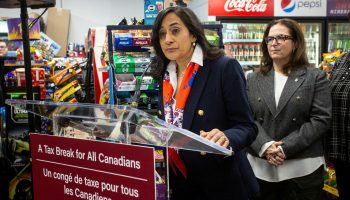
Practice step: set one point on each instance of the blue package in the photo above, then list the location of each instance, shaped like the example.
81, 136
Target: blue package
122, 39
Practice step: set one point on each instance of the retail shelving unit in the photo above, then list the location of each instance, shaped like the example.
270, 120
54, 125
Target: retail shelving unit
129, 78
5, 189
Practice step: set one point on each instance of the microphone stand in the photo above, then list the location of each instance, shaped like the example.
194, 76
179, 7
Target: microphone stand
130, 128
136, 97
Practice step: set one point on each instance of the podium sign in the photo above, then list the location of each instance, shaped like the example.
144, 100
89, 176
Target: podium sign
69, 168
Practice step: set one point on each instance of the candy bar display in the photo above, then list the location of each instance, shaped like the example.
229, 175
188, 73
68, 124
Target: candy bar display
129, 55
134, 37
130, 63
65, 75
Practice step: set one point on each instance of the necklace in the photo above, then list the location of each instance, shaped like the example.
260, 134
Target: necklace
180, 73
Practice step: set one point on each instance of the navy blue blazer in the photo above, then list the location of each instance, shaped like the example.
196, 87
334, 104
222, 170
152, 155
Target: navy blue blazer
218, 99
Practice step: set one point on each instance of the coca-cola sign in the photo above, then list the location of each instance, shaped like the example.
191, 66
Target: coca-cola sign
240, 8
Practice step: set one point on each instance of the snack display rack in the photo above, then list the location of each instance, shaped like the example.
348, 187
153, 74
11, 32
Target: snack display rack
129, 55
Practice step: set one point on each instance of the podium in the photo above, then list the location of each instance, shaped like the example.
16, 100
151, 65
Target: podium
108, 127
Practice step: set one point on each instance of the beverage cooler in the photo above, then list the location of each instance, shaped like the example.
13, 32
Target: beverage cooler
242, 39
338, 25
338, 35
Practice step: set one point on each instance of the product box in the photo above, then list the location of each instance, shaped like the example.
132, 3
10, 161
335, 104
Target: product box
15, 32
151, 10
66, 93
141, 37
13, 63
38, 79
57, 29
18, 164
2, 123
46, 46
141, 41
129, 38
65, 74
125, 82
16, 118
147, 82
130, 64
123, 39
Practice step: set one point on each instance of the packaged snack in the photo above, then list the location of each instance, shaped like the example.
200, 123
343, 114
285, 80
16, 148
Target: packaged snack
66, 74
65, 92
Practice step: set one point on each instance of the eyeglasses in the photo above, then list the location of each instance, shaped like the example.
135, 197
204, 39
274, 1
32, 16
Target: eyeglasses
279, 39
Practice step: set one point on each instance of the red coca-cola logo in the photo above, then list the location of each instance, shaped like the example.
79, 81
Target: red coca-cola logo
240, 8
245, 6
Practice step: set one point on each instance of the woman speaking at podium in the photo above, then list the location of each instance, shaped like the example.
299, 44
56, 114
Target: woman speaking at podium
203, 91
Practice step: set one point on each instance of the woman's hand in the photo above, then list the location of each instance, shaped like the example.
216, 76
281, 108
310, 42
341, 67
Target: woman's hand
216, 136
274, 155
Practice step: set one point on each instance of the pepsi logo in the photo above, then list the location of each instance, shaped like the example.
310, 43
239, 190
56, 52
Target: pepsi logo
288, 5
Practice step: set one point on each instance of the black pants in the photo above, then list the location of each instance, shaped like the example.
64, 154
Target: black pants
342, 172
307, 187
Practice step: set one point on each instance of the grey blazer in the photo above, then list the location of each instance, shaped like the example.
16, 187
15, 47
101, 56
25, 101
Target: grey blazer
302, 116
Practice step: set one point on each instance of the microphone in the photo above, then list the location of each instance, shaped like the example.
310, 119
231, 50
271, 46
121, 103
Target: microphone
136, 97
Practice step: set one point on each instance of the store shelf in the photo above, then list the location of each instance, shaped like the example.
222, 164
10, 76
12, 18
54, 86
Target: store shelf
21, 63
245, 63
143, 88
312, 61
310, 40
132, 48
35, 4
242, 40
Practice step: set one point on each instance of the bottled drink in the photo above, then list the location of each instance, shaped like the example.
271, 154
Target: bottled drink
245, 52
330, 45
348, 45
240, 52
234, 31
251, 52
257, 52
240, 32
339, 44
234, 50
311, 52
245, 32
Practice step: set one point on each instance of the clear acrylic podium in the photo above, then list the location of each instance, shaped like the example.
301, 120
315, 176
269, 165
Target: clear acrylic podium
119, 124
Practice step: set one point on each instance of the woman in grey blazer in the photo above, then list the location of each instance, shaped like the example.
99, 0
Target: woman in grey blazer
292, 108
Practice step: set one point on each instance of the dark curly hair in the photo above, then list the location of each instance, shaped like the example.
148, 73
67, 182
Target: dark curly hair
194, 26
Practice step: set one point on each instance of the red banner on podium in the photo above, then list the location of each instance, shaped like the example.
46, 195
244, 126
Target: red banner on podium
68, 168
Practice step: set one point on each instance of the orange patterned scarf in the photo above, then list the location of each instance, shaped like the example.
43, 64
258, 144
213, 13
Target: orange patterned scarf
175, 117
